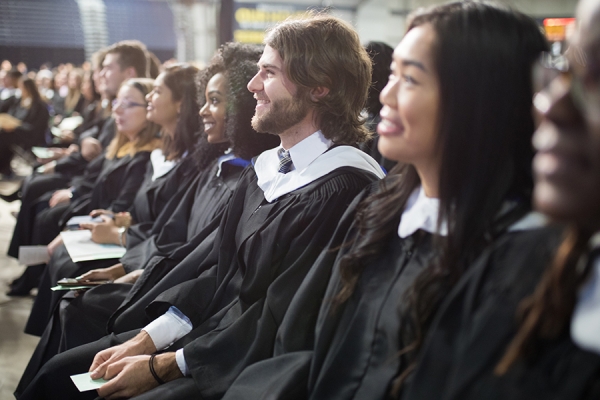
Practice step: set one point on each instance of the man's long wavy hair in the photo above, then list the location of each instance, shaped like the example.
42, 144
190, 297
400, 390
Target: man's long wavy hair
483, 56
323, 51
238, 63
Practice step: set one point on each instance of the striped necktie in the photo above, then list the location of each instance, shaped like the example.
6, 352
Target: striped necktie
285, 161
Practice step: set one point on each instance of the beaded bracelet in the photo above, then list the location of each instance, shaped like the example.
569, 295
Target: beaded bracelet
152, 371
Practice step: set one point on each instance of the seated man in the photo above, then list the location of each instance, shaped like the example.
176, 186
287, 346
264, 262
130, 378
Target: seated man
310, 89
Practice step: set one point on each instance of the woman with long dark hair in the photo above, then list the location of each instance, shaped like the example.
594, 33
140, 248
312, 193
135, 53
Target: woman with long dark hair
457, 117
525, 323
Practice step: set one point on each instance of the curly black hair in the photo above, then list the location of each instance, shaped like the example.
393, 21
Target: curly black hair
238, 64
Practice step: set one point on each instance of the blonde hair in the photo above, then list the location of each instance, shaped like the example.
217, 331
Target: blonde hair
147, 139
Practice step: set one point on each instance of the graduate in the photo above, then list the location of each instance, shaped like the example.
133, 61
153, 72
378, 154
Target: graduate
310, 93
180, 226
165, 181
525, 324
463, 180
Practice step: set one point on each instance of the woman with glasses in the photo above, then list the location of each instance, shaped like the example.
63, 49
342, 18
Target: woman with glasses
525, 324
120, 173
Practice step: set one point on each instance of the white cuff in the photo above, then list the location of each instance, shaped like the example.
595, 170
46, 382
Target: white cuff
169, 327
181, 362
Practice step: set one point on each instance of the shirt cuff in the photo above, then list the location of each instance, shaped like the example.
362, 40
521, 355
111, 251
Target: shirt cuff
181, 362
169, 327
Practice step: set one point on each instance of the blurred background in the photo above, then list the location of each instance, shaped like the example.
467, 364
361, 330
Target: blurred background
51, 32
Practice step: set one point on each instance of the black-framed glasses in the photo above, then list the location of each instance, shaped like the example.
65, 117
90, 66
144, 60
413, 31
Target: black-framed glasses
126, 104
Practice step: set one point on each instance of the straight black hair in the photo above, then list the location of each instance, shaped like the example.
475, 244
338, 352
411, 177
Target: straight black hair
483, 56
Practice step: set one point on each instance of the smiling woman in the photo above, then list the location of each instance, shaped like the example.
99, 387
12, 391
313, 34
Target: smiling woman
213, 111
411, 99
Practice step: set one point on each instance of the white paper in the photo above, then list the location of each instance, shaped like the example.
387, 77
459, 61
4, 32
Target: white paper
70, 123
80, 247
85, 383
33, 255
82, 219
42, 152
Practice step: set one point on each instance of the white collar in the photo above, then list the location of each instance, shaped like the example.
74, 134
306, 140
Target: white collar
312, 161
160, 166
421, 212
305, 152
585, 322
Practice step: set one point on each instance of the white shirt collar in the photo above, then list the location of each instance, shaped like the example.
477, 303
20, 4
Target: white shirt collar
305, 152
311, 161
160, 166
585, 322
421, 212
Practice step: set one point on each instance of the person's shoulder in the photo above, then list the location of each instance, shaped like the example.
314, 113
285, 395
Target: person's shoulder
519, 258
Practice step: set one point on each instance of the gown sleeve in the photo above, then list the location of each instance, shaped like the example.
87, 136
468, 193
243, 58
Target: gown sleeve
241, 332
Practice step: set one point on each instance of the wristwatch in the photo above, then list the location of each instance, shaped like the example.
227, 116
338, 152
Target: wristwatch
122, 231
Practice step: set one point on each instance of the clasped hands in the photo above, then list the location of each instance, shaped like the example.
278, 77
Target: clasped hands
127, 369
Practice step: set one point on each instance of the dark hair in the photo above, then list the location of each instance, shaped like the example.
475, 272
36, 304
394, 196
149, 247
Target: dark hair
319, 50
14, 74
181, 81
31, 87
482, 56
132, 53
381, 57
238, 63
90, 76
153, 64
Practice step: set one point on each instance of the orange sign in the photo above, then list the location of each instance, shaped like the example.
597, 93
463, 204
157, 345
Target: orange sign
556, 28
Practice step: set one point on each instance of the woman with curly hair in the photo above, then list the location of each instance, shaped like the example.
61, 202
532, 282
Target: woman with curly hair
525, 324
457, 118
226, 109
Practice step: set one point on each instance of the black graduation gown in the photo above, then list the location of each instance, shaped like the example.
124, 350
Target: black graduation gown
74, 164
264, 251
114, 189
201, 209
32, 132
84, 319
477, 322
152, 198
155, 197
38, 188
171, 257
351, 350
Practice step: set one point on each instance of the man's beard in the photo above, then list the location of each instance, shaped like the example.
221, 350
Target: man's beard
282, 115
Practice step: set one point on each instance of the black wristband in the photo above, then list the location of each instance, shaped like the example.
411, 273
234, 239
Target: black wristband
152, 371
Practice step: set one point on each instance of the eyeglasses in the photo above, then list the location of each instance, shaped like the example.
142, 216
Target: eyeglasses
126, 104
